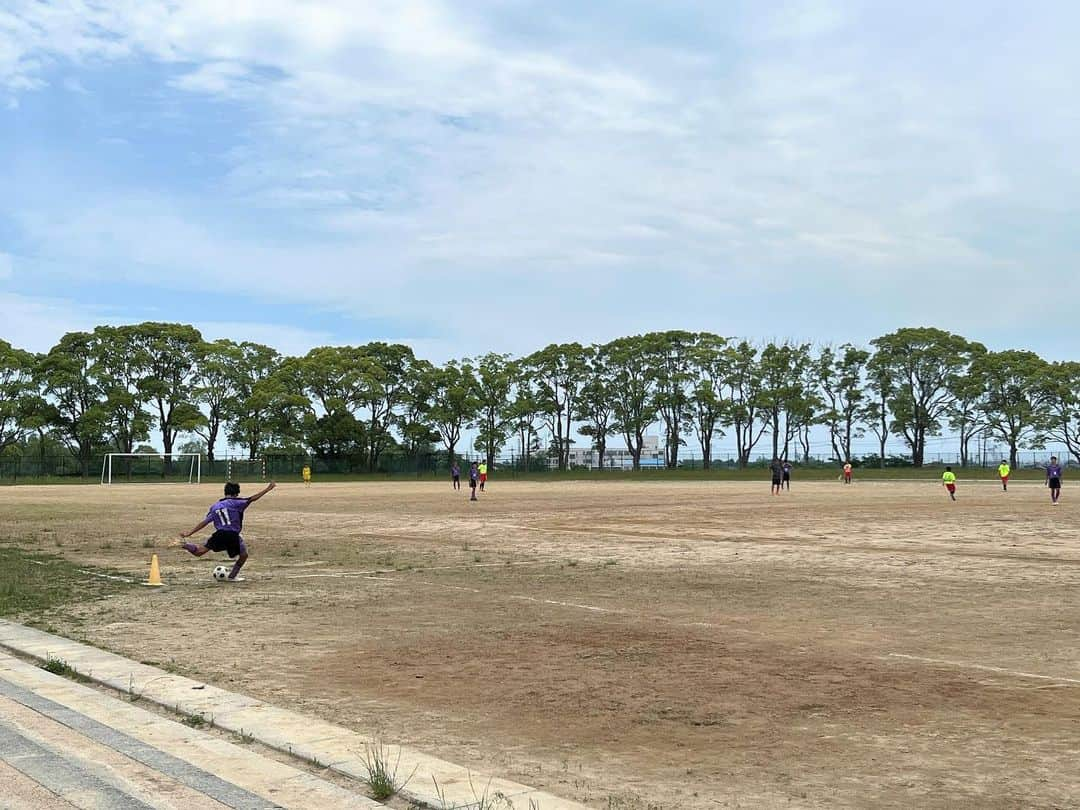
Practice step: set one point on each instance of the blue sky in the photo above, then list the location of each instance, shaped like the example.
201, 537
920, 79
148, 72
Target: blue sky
500, 174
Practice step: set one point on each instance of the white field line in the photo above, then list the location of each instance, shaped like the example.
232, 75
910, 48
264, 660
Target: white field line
379, 571
982, 668
95, 574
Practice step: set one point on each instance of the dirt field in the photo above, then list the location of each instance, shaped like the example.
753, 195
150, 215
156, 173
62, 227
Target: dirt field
631, 645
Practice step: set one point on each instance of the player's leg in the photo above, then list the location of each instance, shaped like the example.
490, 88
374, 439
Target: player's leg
241, 558
198, 551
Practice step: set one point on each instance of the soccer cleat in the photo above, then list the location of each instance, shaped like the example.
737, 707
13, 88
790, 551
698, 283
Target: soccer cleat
235, 579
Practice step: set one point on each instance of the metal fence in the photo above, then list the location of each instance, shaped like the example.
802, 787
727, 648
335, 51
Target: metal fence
427, 465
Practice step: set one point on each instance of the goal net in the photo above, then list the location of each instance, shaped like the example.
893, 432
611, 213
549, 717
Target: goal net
245, 469
151, 467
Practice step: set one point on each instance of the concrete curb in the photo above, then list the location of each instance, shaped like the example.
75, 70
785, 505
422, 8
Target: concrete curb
327, 745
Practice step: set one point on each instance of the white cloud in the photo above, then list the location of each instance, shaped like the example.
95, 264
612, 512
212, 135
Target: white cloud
35, 323
406, 152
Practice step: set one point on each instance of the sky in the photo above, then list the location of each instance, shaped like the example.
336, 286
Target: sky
497, 175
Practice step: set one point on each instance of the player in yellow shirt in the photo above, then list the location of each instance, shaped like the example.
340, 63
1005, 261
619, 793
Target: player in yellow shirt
1003, 472
483, 474
948, 480
306, 472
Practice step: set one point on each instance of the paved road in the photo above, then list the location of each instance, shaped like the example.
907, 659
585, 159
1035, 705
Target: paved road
53, 754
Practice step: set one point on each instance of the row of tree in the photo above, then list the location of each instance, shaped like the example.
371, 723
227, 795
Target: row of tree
107, 389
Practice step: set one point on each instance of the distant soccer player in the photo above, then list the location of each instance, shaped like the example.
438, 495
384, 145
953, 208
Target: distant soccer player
455, 475
306, 473
1053, 479
787, 475
847, 472
474, 474
483, 474
948, 480
777, 471
1003, 473
227, 515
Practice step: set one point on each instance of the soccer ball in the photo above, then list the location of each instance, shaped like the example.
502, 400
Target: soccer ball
221, 572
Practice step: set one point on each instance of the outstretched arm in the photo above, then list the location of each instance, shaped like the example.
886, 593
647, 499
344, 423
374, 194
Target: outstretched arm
206, 522
261, 492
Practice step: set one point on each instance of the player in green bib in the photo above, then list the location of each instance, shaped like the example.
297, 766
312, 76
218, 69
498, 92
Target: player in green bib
1003, 472
948, 480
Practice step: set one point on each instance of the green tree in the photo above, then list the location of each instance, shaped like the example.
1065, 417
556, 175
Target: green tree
709, 409
1058, 397
215, 385
920, 364
523, 413
559, 371
79, 414
669, 355
495, 375
16, 383
840, 375
250, 414
782, 397
121, 368
384, 371
633, 389
967, 412
454, 402
170, 351
594, 403
875, 412
416, 430
1013, 382
743, 390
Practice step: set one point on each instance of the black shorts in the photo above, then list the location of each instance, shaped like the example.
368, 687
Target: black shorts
1055, 483
776, 482
787, 476
457, 478
472, 483
229, 542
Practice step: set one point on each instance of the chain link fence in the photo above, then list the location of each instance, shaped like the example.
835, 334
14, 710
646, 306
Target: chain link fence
283, 467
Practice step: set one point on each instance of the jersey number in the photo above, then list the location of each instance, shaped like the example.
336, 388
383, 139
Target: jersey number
223, 516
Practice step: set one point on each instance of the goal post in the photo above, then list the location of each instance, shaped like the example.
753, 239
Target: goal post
174, 467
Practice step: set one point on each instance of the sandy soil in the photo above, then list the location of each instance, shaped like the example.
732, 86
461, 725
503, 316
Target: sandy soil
631, 645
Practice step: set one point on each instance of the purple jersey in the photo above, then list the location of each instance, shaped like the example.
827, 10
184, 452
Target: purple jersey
228, 514
1053, 471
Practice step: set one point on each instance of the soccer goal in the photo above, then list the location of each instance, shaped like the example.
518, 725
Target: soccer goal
246, 469
131, 467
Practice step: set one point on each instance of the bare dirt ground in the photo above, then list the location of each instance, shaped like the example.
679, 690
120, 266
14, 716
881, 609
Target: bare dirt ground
630, 645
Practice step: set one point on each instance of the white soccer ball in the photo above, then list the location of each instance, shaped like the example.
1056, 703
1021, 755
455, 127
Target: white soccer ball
221, 572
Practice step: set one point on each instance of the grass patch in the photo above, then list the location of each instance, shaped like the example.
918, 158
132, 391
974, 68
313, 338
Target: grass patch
381, 773
58, 666
193, 720
34, 583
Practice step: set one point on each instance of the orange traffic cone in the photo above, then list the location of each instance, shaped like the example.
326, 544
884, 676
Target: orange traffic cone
155, 573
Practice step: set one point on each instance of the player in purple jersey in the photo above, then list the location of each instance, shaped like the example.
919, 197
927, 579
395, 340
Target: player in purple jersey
1053, 479
227, 515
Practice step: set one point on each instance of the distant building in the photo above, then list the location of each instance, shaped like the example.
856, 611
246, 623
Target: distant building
617, 457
